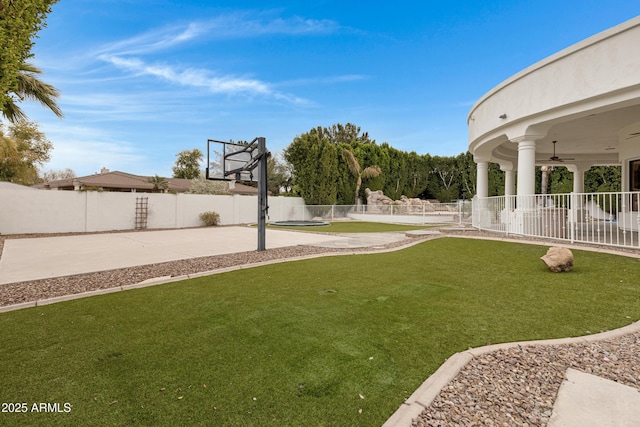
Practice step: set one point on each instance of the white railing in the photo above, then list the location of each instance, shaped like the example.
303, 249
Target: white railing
459, 212
595, 218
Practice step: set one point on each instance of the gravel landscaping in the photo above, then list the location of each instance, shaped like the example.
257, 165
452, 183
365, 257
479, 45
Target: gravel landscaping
514, 387
20, 292
518, 386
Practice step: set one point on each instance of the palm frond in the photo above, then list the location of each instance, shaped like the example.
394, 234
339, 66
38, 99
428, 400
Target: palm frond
32, 88
352, 162
12, 112
371, 172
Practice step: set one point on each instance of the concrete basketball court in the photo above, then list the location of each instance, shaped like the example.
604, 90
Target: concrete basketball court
47, 257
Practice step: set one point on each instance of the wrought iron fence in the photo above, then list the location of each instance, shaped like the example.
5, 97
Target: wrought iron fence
459, 212
596, 218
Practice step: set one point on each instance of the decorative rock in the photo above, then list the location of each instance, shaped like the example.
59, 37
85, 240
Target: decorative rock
377, 198
377, 202
558, 259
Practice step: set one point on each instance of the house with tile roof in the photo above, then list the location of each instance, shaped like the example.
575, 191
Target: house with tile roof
118, 181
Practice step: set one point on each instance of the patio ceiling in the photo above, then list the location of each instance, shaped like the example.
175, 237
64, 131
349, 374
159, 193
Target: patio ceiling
592, 138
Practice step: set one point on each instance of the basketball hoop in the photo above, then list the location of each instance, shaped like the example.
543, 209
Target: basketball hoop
227, 161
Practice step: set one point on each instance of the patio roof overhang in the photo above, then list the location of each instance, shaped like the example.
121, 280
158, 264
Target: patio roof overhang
586, 97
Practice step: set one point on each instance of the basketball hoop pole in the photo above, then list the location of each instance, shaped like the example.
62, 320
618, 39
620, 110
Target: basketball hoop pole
263, 207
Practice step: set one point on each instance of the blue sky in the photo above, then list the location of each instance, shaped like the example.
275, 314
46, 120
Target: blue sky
142, 80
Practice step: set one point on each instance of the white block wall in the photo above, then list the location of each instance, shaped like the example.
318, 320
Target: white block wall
43, 211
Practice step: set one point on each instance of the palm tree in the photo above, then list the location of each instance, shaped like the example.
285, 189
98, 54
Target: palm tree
159, 183
544, 187
31, 88
356, 170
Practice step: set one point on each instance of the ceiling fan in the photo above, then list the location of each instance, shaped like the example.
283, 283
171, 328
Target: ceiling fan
555, 158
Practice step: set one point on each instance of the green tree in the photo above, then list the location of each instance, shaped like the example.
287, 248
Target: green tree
22, 150
58, 174
560, 180
314, 163
187, 165
400, 174
396, 172
160, 184
467, 175
496, 180
358, 172
419, 173
603, 179
342, 134
201, 185
20, 21
446, 170
278, 176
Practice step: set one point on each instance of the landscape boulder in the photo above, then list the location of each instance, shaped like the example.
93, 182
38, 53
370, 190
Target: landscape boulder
558, 259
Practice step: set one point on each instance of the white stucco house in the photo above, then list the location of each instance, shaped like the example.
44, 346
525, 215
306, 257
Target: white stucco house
586, 98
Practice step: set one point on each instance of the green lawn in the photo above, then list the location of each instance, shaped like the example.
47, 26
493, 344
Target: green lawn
335, 341
354, 227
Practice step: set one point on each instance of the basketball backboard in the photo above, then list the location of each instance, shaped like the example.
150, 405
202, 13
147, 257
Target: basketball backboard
228, 161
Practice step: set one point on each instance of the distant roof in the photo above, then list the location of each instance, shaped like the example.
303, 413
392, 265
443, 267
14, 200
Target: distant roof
116, 179
5, 185
122, 180
238, 188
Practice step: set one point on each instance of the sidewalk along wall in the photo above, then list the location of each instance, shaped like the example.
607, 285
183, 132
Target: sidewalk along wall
72, 211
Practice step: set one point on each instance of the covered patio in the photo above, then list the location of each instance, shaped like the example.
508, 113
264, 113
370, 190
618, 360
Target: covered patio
578, 108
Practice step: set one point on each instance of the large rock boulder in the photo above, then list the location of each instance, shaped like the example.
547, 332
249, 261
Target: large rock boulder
558, 259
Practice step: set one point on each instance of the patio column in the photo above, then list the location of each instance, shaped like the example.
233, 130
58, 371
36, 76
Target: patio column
526, 166
509, 181
578, 176
482, 181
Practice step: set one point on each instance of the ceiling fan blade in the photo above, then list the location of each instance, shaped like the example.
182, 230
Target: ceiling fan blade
555, 158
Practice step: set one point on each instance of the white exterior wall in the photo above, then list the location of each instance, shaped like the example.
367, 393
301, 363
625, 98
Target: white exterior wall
42, 211
581, 72
74, 211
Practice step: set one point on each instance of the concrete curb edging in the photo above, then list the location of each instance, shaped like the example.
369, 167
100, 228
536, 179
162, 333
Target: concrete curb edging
429, 390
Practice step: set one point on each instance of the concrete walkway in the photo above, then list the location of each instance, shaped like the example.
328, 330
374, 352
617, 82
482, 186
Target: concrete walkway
47, 257
590, 401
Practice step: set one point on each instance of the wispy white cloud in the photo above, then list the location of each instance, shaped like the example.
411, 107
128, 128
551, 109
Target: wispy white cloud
200, 78
155, 40
101, 107
324, 80
233, 25
128, 55
244, 25
190, 76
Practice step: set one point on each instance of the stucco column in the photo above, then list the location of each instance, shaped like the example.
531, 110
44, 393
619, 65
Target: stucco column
509, 180
482, 181
577, 211
578, 176
526, 167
